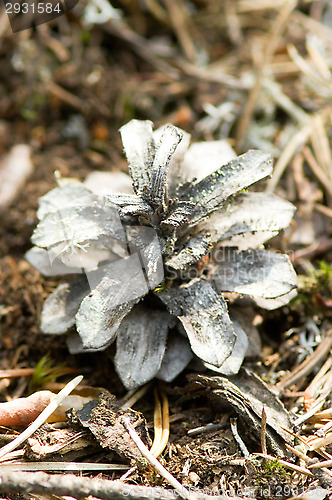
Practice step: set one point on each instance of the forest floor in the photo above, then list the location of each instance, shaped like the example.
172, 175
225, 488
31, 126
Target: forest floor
257, 73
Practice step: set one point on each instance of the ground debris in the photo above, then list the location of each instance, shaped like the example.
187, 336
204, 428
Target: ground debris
49, 441
255, 74
246, 394
103, 418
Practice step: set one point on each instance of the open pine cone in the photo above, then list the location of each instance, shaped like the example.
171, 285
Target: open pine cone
151, 263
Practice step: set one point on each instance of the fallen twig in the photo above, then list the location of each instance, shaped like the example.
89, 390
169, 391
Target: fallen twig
238, 439
288, 465
306, 68
64, 95
132, 398
183, 492
209, 427
320, 465
317, 170
81, 487
310, 413
320, 442
61, 466
323, 210
308, 364
298, 453
316, 248
263, 431
273, 39
42, 417
23, 411
299, 138
179, 19
17, 372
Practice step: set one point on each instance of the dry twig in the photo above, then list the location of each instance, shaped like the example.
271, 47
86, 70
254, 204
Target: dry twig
288, 465
263, 431
183, 492
179, 19
317, 170
238, 438
53, 405
299, 138
82, 487
308, 364
61, 466
273, 40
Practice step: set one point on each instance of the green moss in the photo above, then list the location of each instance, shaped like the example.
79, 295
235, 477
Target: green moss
324, 275
271, 472
319, 281
271, 480
29, 114
273, 468
85, 36
33, 106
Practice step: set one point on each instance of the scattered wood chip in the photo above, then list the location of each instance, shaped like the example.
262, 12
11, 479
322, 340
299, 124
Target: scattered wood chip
103, 418
49, 442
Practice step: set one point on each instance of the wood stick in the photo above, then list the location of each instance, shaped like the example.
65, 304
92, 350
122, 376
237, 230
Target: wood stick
182, 491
